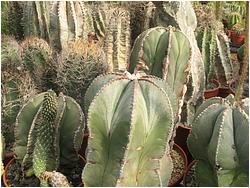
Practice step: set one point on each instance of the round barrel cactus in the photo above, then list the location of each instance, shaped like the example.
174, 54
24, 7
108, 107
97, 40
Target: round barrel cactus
48, 133
38, 61
78, 66
220, 142
130, 122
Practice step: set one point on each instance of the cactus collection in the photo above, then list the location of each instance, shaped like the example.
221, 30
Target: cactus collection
125, 74
221, 129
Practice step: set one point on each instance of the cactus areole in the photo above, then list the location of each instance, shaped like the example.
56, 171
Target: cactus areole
130, 121
220, 142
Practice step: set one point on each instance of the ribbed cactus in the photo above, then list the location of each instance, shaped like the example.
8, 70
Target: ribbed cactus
37, 59
220, 142
215, 50
166, 53
117, 40
130, 121
78, 65
49, 132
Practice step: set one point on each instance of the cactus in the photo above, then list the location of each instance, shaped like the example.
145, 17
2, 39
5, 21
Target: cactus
166, 53
11, 15
181, 15
130, 121
117, 40
215, 51
221, 129
48, 133
16, 86
37, 59
78, 65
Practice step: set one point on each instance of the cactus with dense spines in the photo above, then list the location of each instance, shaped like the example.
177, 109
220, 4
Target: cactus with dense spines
38, 60
117, 40
16, 85
166, 53
78, 65
130, 121
48, 133
221, 129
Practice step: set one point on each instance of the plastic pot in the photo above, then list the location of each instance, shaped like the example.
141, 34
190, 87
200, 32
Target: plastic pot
182, 153
237, 40
209, 93
182, 133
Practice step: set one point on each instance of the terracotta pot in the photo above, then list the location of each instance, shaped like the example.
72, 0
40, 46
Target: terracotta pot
5, 179
237, 40
182, 153
188, 168
212, 92
182, 133
225, 91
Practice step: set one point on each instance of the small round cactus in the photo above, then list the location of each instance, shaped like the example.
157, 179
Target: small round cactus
78, 66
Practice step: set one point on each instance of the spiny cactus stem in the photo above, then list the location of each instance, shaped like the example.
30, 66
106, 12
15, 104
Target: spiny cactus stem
245, 61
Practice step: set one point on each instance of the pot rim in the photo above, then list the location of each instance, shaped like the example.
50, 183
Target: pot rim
187, 170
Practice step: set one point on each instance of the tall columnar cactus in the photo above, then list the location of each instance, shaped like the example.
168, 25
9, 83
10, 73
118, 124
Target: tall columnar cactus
117, 40
78, 65
16, 85
130, 121
48, 133
166, 53
37, 59
220, 142
182, 16
215, 51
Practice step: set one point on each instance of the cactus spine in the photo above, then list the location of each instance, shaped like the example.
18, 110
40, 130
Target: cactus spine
49, 132
117, 41
129, 135
221, 129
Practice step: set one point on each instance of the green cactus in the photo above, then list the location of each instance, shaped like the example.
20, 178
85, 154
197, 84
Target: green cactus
166, 53
215, 51
78, 65
37, 59
221, 129
117, 40
48, 133
11, 15
130, 121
